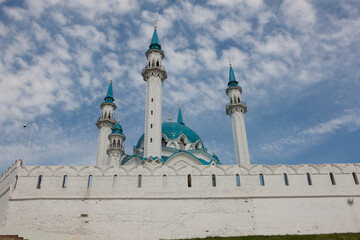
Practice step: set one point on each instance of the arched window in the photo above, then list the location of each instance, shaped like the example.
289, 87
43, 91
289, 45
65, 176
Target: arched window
262, 180
149, 63
157, 63
308, 177
152, 100
234, 99
151, 112
118, 143
16, 180
151, 125
332, 178
109, 115
213, 179
115, 180
189, 180
286, 180
356, 180
114, 143
150, 139
153, 63
90, 181
64, 181
231, 101
105, 115
182, 144
39, 182
139, 181
237, 177
238, 99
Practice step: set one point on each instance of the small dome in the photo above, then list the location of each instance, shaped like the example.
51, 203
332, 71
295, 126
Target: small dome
117, 129
173, 130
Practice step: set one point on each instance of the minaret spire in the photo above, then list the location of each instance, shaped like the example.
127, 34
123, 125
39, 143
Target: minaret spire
180, 118
236, 109
153, 74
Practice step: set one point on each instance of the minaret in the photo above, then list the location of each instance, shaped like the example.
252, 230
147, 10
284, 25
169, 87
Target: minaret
116, 149
236, 109
154, 74
105, 124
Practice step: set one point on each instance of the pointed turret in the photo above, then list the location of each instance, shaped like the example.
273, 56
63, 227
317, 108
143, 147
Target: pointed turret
232, 80
180, 118
109, 95
155, 40
115, 150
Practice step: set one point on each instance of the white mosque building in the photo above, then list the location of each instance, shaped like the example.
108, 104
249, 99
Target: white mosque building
167, 143
170, 187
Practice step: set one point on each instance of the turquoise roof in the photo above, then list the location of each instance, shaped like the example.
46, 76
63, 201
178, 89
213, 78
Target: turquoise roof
117, 129
155, 41
180, 118
173, 130
232, 80
109, 95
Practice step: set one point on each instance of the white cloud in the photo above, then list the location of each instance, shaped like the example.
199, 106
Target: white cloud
299, 14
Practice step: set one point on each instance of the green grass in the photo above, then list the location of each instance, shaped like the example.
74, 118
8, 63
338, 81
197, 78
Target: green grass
340, 236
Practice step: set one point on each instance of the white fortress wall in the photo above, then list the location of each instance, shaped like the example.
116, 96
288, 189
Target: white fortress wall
165, 207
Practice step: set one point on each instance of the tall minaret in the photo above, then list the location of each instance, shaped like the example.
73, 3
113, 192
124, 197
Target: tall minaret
105, 124
236, 109
116, 149
154, 74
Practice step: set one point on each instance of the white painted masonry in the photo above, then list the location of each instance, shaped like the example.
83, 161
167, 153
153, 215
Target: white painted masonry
164, 207
105, 124
236, 109
154, 74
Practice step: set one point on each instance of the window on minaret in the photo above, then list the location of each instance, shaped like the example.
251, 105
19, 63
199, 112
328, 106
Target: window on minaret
157, 63
163, 143
238, 100
237, 176
150, 139
231, 100
309, 179
152, 100
150, 125
118, 143
90, 181
151, 112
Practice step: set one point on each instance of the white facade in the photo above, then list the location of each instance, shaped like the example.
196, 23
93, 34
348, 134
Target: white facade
163, 206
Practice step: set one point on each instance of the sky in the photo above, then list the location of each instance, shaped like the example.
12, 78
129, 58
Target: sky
297, 61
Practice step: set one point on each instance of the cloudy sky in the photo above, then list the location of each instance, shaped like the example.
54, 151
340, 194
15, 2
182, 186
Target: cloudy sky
298, 62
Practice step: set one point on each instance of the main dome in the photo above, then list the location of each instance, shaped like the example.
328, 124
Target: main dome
173, 130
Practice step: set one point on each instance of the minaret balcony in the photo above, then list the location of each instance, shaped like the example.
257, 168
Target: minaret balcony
155, 71
240, 106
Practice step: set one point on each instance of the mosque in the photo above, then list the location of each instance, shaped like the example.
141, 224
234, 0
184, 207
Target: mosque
168, 143
170, 187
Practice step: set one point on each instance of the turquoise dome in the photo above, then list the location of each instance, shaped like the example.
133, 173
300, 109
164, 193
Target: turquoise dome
117, 129
173, 130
